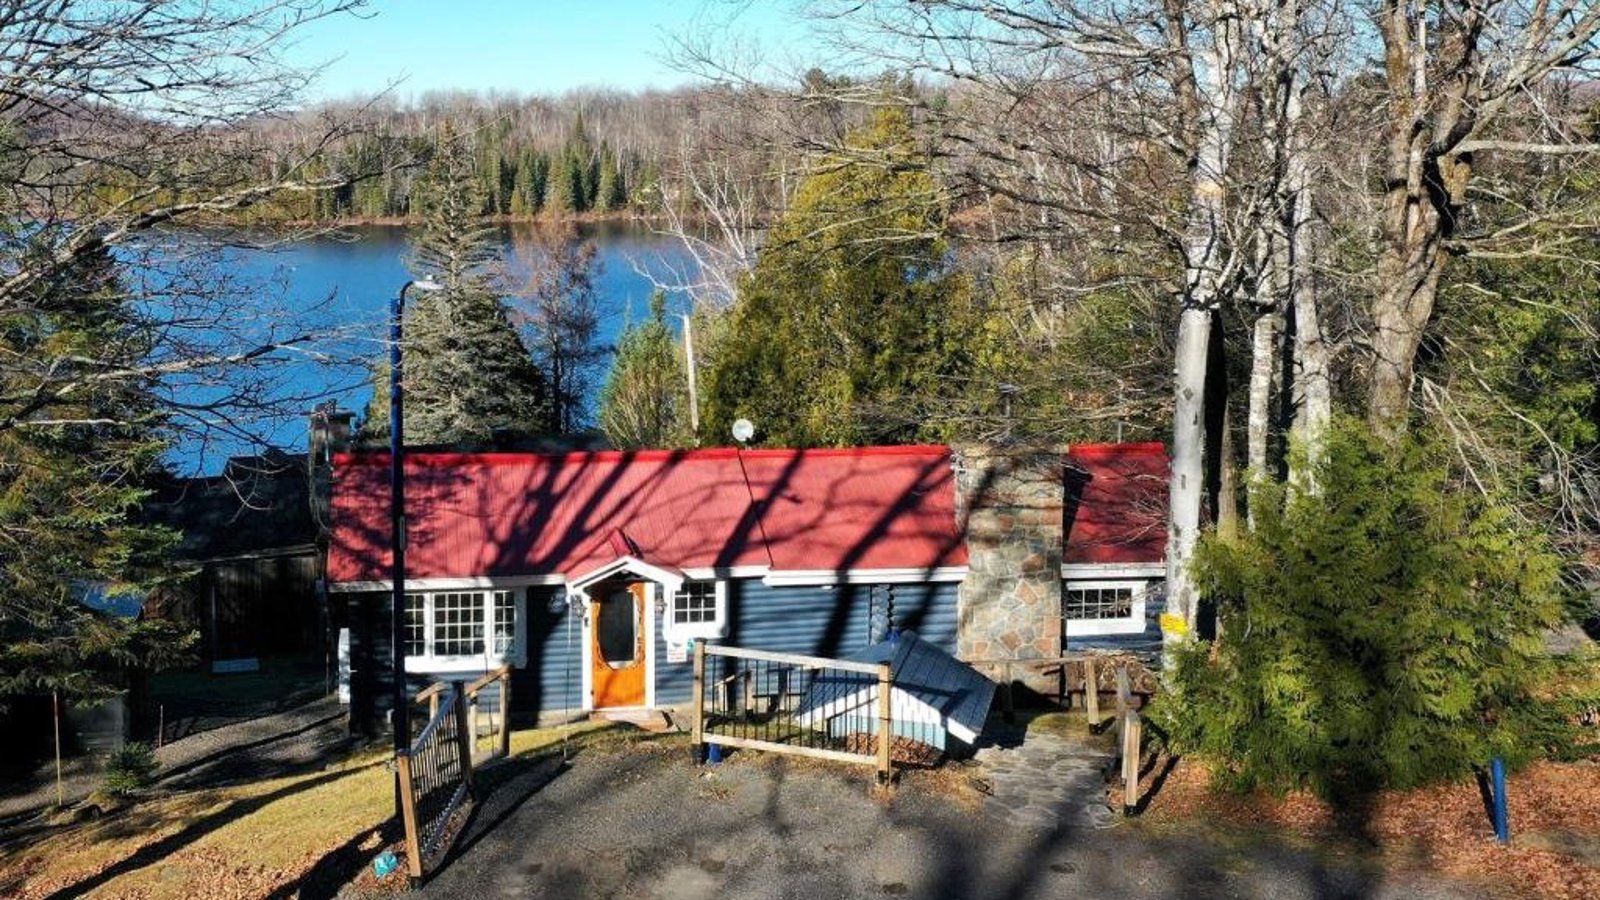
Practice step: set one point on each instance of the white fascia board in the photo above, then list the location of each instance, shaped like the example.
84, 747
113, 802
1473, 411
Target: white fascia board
1114, 570
672, 579
823, 577
707, 573
451, 584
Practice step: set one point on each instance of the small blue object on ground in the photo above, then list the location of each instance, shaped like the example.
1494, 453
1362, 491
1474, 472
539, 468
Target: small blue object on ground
1502, 816
384, 864
713, 753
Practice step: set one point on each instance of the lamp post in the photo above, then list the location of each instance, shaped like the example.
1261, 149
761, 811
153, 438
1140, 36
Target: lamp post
397, 516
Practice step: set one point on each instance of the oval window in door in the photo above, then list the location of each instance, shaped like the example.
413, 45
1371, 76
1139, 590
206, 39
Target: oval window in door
616, 629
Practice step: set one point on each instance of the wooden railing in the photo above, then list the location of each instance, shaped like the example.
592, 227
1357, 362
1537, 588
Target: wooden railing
492, 689
812, 706
435, 774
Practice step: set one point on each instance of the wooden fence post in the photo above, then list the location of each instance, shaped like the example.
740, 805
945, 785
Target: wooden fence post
699, 695
1091, 692
885, 721
1132, 735
1124, 693
463, 736
505, 715
408, 815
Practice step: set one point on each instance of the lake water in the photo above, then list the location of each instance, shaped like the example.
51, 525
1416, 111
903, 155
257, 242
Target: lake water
346, 281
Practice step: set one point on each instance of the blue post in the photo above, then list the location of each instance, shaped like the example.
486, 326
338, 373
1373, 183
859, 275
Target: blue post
1502, 817
713, 753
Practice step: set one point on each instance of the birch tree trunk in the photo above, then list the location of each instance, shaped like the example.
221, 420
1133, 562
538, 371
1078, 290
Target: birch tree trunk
1215, 106
1313, 392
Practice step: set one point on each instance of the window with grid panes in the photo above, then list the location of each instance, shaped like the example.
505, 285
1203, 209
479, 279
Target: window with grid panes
1091, 603
416, 624
695, 603
505, 621
458, 624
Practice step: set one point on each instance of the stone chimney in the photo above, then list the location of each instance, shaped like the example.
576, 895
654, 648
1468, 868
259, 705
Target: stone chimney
330, 433
1010, 500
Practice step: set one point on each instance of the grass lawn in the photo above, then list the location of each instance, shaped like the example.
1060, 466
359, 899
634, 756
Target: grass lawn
245, 841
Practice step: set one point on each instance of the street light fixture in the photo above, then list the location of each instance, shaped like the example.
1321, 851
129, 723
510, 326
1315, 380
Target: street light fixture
400, 716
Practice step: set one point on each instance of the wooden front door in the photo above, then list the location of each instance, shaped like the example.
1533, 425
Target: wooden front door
617, 645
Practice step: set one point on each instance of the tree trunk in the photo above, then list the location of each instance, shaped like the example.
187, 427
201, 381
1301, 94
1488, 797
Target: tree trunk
1426, 186
1313, 392
1258, 420
1203, 264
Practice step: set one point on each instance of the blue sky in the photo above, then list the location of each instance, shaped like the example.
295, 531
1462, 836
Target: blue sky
533, 46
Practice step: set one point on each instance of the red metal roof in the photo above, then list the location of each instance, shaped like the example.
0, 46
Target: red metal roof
476, 514
1116, 508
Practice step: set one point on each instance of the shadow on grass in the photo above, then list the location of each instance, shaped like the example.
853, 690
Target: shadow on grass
171, 844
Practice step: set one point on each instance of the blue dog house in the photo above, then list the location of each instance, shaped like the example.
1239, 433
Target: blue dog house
937, 699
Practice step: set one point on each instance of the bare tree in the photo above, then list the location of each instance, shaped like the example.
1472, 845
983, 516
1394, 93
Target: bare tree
1454, 74
134, 128
551, 283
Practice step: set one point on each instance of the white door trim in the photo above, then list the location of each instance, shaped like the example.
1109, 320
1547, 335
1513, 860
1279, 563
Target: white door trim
652, 595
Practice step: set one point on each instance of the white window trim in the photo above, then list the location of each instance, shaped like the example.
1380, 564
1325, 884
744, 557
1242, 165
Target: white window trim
676, 633
429, 663
1133, 623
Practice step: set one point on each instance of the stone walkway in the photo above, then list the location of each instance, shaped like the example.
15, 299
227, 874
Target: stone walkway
1046, 772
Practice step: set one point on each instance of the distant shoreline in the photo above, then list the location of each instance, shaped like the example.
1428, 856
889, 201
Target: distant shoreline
583, 218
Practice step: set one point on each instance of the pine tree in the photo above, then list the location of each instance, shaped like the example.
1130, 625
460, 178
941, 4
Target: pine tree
851, 324
645, 400
467, 374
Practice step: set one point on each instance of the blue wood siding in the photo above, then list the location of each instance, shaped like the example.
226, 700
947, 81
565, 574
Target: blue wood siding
552, 677
818, 621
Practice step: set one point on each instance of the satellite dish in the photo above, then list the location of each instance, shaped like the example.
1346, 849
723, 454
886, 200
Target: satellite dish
743, 430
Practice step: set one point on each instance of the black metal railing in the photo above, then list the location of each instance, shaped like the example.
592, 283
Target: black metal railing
436, 780
786, 703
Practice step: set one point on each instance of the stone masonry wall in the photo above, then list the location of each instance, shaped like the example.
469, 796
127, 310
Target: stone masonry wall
1010, 500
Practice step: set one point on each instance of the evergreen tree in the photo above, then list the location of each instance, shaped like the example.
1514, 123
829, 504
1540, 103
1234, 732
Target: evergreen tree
69, 492
1386, 631
645, 400
568, 193
610, 193
467, 375
851, 323
559, 309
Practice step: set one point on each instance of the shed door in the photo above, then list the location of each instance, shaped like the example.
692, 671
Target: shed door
617, 639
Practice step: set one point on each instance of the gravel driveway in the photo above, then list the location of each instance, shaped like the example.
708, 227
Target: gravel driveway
640, 820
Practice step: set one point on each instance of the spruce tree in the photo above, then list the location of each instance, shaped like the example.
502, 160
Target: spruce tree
70, 491
467, 374
610, 193
645, 400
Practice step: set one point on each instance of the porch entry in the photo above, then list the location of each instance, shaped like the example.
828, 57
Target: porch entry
619, 645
